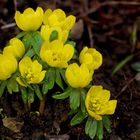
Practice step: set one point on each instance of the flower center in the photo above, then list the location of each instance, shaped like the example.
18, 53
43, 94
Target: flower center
95, 104
29, 74
56, 57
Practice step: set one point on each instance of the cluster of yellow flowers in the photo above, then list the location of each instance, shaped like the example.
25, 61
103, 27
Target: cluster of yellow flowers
54, 27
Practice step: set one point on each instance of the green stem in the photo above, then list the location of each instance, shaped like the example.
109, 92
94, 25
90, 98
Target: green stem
42, 105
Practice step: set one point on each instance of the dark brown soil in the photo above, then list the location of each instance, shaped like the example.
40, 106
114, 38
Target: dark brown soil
107, 26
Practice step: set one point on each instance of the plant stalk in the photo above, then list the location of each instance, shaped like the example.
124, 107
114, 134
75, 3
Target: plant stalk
42, 105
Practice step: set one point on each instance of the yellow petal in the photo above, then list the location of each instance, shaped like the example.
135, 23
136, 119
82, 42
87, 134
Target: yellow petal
24, 64
60, 14
68, 23
94, 115
47, 13
68, 52
37, 78
71, 75
110, 108
30, 20
8, 66
36, 67
18, 79
16, 48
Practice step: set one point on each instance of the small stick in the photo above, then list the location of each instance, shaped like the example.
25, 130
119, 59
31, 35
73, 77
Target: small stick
10, 25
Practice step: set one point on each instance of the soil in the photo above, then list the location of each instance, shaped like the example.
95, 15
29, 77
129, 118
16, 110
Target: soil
103, 24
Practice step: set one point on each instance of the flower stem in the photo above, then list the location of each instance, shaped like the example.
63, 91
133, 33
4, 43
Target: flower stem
42, 105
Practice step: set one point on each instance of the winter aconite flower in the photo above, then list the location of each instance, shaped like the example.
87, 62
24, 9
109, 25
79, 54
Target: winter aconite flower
58, 18
98, 104
91, 57
15, 48
78, 76
56, 54
48, 32
31, 72
30, 20
8, 65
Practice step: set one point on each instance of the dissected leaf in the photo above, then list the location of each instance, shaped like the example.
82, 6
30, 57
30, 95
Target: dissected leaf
38, 92
58, 79
30, 96
91, 127
53, 36
21, 34
2, 87
24, 95
36, 42
62, 73
78, 118
71, 43
12, 85
100, 130
50, 78
30, 53
74, 99
107, 123
82, 101
63, 95
45, 88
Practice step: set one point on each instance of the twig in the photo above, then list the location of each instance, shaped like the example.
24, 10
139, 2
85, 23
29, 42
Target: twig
125, 87
15, 5
10, 25
94, 9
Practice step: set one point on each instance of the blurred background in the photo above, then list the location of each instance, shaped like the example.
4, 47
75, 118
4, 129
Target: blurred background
112, 27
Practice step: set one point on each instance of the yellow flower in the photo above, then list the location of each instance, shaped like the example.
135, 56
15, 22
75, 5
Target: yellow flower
46, 31
97, 102
8, 66
56, 54
15, 48
91, 57
30, 20
78, 76
31, 72
58, 18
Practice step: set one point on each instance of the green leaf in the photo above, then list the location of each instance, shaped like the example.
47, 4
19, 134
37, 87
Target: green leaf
136, 66
71, 43
2, 87
107, 123
122, 63
62, 73
24, 95
133, 37
12, 85
50, 78
83, 97
58, 79
100, 130
27, 40
45, 88
91, 127
78, 118
75, 99
30, 53
36, 41
38, 92
63, 95
21, 34
30, 96
53, 36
